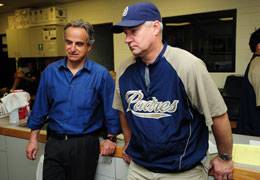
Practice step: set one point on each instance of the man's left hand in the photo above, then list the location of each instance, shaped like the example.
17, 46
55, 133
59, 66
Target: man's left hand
108, 148
221, 169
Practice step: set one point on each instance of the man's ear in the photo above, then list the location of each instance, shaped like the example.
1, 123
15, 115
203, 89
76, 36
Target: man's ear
157, 27
89, 48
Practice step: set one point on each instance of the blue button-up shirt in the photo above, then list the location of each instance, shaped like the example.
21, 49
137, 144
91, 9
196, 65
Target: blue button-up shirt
75, 104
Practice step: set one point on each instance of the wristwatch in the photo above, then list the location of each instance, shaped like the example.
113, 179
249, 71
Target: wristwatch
111, 138
225, 156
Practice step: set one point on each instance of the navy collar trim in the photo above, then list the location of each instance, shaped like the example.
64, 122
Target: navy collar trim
158, 59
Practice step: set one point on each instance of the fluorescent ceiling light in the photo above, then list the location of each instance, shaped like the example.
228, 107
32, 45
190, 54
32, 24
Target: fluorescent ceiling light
226, 19
178, 24
1, 4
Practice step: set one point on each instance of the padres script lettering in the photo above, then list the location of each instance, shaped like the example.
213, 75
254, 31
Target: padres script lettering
151, 108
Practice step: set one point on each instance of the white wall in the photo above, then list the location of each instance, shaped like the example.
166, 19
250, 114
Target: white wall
101, 11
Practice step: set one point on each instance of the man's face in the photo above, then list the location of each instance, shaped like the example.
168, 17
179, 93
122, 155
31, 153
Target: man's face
76, 45
139, 39
257, 48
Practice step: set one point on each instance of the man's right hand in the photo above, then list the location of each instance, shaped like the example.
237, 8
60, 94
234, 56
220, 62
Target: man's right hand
125, 156
32, 149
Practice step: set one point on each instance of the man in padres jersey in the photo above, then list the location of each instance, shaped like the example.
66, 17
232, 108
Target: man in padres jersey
168, 103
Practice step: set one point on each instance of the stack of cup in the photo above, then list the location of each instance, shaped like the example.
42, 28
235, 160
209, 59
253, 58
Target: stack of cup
14, 117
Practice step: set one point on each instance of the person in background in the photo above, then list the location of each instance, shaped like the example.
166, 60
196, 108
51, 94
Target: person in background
70, 95
168, 103
26, 78
113, 74
249, 121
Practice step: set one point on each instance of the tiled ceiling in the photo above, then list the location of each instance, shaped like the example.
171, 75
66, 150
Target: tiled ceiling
11, 5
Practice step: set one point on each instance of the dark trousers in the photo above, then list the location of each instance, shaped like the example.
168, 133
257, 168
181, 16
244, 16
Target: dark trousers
72, 159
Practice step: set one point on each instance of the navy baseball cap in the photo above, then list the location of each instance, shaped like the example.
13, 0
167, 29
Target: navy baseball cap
136, 15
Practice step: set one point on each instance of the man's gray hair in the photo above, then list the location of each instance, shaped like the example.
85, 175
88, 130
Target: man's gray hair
150, 23
85, 25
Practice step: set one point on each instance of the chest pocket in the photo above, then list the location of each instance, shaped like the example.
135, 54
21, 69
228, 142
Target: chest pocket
87, 98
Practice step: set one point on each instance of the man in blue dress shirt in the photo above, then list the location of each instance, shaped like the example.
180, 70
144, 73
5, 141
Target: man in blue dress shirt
71, 94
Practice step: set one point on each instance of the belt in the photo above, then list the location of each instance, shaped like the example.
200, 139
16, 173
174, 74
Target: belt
68, 136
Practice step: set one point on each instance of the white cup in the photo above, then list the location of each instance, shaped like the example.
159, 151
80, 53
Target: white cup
14, 117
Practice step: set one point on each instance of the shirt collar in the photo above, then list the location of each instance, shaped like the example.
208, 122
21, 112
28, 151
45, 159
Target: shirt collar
159, 57
87, 65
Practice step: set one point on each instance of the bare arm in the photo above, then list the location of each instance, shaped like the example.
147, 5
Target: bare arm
127, 134
222, 169
32, 146
222, 132
20, 76
125, 128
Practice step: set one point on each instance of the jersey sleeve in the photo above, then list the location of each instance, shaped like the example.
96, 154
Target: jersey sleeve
253, 76
117, 102
203, 92
199, 86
